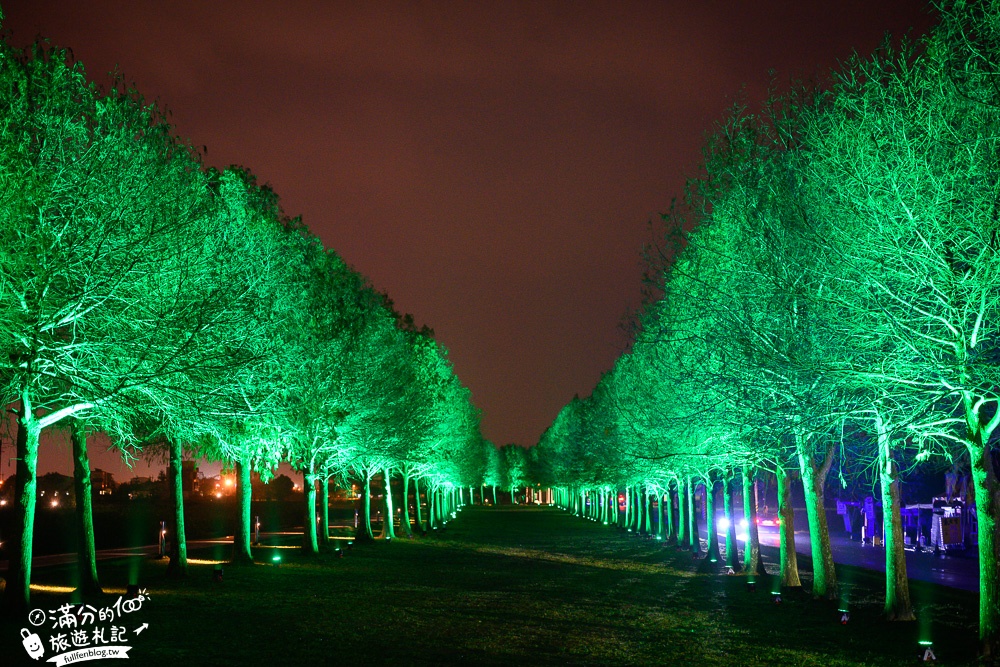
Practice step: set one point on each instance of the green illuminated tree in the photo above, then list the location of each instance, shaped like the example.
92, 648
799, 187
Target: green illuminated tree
909, 160
103, 224
516, 469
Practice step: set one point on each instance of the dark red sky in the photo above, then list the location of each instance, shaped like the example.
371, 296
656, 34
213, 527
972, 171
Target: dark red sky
491, 165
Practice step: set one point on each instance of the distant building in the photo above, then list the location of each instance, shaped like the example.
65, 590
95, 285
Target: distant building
140, 487
189, 478
102, 482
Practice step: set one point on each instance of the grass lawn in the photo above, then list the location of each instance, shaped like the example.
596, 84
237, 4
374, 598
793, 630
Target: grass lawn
505, 586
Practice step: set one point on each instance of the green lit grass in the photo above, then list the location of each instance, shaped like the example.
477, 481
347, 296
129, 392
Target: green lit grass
510, 587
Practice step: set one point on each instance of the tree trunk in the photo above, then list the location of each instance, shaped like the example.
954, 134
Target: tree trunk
310, 543
897, 587
646, 502
637, 508
682, 521
732, 551
364, 531
694, 541
405, 523
416, 501
713, 531
751, 550
987, 491
661, 520
87, 561
178, 545
494, 495
431, 518
244, 494
786, 542
813, 479
324, 511
26, 490
389, 520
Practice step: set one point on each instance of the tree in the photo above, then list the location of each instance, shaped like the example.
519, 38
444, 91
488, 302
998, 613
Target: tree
907, 158
102, 236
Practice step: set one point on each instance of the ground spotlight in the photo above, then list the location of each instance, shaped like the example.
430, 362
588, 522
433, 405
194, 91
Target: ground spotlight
751, 586
928, 655
845, 616
217, 574
776, 595
131, 591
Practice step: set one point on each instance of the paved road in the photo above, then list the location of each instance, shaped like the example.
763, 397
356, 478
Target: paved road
961, 571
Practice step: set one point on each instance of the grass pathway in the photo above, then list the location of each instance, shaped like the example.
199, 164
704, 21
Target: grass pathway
500, 586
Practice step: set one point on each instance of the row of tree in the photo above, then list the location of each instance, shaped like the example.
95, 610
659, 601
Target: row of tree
177, 309
836, 292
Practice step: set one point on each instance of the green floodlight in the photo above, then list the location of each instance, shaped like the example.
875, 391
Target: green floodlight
276, 559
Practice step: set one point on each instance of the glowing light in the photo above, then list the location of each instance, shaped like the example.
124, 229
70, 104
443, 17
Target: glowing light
287, 546
54, 503
218, 494
201, 561
42, 588
723, 524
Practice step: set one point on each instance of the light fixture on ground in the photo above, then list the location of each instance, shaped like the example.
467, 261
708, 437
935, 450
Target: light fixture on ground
776, 595
845, 616
928, 655
131, 591
217, 574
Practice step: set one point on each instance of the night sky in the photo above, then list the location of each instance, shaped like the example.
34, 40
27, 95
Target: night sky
491, 165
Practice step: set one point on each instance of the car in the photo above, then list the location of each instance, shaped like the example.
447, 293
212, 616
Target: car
767, 519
